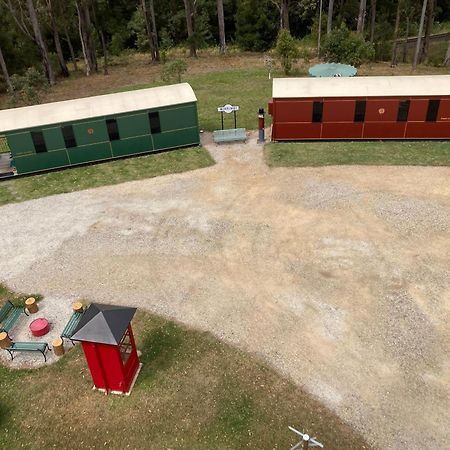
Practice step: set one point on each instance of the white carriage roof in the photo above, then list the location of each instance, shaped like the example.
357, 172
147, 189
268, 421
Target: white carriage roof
387, 86
98, 106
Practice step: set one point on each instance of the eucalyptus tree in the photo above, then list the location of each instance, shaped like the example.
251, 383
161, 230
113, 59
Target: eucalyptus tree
87, 40
189, 6
54, 27
221, 20
361, 16
396, 29
5, 72
330, 16
373, 13
419, 36
24, 14
428, 28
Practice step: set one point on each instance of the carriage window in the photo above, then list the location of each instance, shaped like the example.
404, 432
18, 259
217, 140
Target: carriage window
155, 124
433, 107
38, 141
403, 109
69, 136
317, 112
360, 111
113, 130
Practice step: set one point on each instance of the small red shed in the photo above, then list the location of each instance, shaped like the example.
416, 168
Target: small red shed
108, 343
389, 107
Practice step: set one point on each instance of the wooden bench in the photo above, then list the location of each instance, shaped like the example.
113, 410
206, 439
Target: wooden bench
74, 320
41, 347
231, 135
9, 315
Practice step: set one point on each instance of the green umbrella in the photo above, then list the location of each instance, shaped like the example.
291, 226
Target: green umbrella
332, 70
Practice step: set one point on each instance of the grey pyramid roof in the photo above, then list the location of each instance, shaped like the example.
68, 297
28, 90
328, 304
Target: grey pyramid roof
103, 324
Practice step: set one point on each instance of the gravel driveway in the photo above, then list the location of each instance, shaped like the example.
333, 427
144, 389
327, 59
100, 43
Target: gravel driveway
338, 276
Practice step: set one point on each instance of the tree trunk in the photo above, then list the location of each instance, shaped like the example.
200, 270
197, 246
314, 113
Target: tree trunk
5, 72
428, 29
397, 26
373, 13
330, 16
72, 53
41, 43
87, 42
419, 37
190, 27
105, 52
154, 32
361, 16
59, 53
319, 33
405, 43
221, 19
284, 14
447, 56
148, 28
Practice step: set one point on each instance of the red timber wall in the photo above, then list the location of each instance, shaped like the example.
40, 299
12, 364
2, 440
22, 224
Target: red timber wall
106, 367
292, 119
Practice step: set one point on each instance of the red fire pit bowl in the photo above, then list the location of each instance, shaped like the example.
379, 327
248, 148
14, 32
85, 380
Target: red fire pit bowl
39, 327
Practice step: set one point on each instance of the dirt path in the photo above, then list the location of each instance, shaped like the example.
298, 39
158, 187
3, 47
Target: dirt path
338, 276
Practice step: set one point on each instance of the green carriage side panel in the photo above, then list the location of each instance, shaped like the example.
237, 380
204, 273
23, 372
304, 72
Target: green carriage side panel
132, 146
88, 153
133, 125
176, 118
177, 138
20, 143
53, 138
90, 132
41, 161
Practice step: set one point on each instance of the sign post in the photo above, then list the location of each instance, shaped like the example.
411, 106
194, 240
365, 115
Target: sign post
228, 109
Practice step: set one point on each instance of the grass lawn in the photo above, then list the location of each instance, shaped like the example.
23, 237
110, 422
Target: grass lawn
194, 392
311, 154
251, 89
113, 172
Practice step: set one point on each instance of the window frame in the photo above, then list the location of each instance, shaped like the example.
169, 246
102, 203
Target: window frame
360, 111
154, 128
433, 110
403, 110
41, 146
113, 134
69, 141
317, 112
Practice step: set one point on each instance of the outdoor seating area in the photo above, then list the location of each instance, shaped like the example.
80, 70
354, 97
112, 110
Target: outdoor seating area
23, 336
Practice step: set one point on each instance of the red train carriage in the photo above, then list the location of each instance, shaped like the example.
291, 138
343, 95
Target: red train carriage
408, 107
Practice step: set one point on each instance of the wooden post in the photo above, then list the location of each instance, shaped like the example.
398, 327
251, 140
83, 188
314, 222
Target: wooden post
5, 341
31, 305
77, 307
58, 346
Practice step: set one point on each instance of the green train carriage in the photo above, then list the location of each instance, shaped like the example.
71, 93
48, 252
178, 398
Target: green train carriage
79, 131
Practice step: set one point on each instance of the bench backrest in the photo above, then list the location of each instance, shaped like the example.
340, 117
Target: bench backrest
6, 308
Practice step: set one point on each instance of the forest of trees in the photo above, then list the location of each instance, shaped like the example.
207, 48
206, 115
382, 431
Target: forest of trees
47, 34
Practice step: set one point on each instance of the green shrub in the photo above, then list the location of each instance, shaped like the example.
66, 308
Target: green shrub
287, 50
173, 70
347, 47
27, 88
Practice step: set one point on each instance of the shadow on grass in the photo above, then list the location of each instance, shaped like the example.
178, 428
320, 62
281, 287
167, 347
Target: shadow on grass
161, 349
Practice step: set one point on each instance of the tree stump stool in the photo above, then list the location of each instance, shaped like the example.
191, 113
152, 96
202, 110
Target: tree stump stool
58, 346
5, 341
77, 307
31, 305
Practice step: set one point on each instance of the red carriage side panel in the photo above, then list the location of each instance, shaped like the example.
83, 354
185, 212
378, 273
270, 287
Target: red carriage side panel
342, 130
